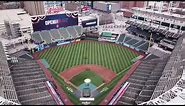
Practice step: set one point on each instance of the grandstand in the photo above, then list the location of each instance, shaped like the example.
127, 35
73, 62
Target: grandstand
64, 33
37, 37
156, 78
121, 38
158, 52
7, 89
55, 34
45, 35
144, 33
144, 47
79, 30
133, 42
143, 81
29, 81
173, 71
156, 30
24, 82
70, 32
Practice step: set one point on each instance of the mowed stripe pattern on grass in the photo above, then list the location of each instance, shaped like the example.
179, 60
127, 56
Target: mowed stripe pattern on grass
79, 79
110, 56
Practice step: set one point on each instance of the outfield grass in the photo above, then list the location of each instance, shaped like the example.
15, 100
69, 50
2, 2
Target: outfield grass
79, 79
110, 56
115, 58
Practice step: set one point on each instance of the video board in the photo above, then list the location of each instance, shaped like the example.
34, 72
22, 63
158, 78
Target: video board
54, 21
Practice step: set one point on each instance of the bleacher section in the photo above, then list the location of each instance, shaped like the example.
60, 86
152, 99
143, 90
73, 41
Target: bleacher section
64, 33
72, 31
156, 30
173, 70
46, 36
139, 43
29, 80
144, 33
144, 47
133, 42
158, 52
36, 37
7, 89
121, 38
79, 30
53, 35
143, 81
127, 38
170, 87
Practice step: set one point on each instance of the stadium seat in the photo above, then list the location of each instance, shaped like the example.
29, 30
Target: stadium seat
64, 33
55, 34
36, 37
46, 37
29, 82
73, 33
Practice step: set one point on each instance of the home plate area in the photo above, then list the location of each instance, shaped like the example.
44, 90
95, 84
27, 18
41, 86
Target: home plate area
86, 90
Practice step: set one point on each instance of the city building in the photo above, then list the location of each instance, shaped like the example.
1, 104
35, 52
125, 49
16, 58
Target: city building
10, 5
160, 19
15, 23
43, 7
106, 6
130, 4
72, 6
34, 7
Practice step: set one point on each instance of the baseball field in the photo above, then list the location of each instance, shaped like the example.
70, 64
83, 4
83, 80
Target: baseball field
104, 63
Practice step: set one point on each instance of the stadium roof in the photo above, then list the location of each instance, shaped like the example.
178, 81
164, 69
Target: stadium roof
15, 15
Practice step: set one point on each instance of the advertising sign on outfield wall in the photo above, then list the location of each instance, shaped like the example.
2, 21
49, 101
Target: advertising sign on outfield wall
55, 21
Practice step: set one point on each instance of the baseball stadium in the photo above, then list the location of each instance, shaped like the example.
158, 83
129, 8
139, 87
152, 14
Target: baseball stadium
103, 63
92, 53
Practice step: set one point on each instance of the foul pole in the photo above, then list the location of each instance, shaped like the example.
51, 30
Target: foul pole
149, 41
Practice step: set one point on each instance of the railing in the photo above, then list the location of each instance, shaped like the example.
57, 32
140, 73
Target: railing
119, 94
54, 94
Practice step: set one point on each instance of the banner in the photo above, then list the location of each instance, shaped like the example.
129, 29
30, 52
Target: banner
47, 22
